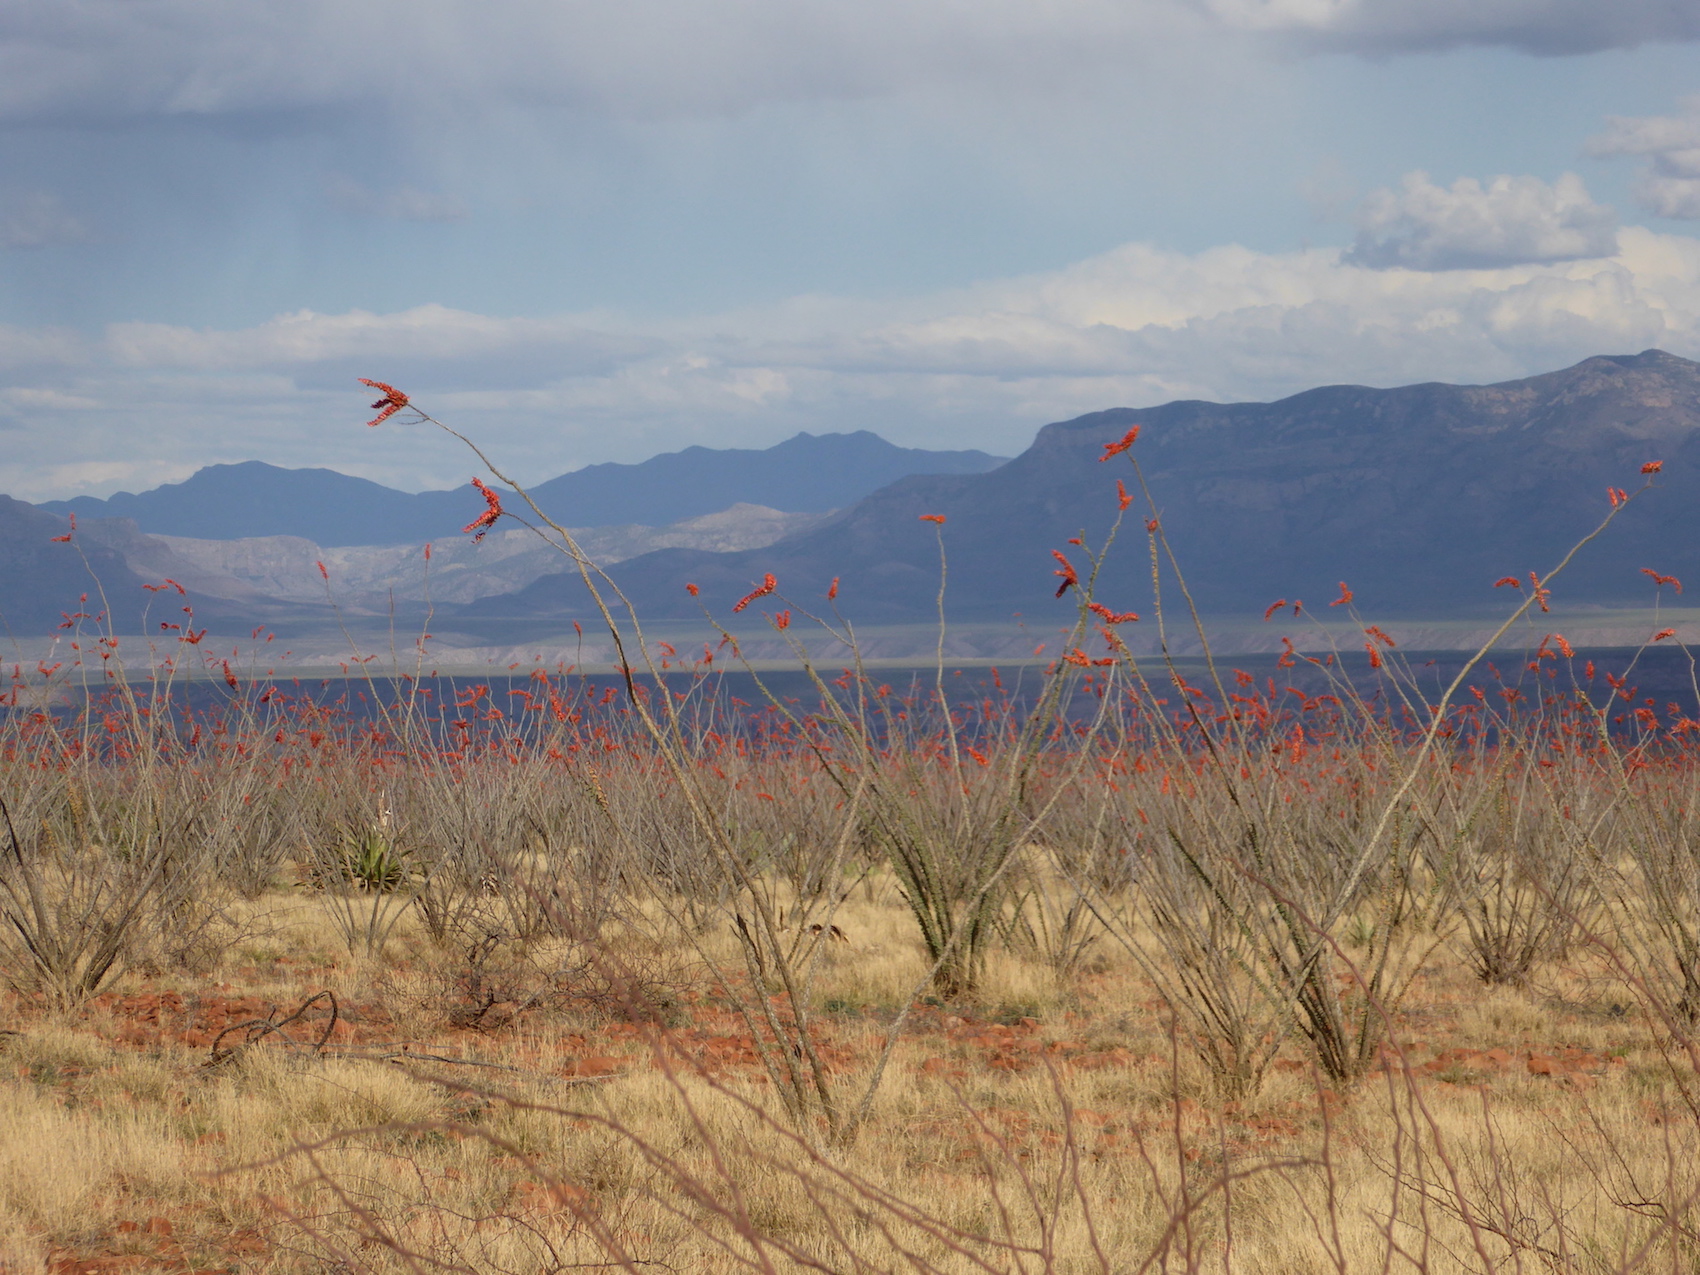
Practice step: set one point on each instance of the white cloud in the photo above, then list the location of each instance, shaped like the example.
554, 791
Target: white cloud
1404, 26
39, 220
1670, 185
972, 367
1467, 226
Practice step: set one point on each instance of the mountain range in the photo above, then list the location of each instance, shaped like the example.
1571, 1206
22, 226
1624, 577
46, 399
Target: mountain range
1418, 497
810, 473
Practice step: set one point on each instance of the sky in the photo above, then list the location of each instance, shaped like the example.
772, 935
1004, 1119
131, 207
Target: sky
584, 232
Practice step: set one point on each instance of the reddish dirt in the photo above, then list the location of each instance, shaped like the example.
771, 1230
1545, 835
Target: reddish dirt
148, 1020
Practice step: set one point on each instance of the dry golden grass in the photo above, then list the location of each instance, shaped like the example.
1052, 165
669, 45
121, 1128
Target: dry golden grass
1057, 1113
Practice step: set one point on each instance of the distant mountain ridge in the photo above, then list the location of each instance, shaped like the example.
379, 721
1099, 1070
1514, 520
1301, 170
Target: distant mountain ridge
1420, 497
809, 473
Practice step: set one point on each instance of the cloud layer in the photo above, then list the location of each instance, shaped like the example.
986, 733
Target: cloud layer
1546, 27
1511, 221
99, 61
1670, 185
144, 403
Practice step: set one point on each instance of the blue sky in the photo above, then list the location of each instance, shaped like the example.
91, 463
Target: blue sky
592, 232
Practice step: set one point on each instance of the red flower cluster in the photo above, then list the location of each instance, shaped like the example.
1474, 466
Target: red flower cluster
1659, 579
1069, 579
938, 518
393, 401
66, 538
1541, 595
832, 591
487, 519
1111, 617
1616, 495
1080, 659
1345, 598
1121, 445
768, 585
1652, 467
1123, 500
692, 589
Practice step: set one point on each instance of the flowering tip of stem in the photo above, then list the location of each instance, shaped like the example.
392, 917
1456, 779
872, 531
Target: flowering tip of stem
768, 585
492, 511
1508, 581
1662, 634
1116, 448
691, 589
1070, 580
832, 590
393, 401
938, 518
1345, 598
1652, 467
1661, 579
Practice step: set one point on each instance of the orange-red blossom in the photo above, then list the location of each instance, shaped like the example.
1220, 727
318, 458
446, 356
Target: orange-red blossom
1083, 660
1345, 598
1126, 441
1652, 467
492, 512
1659, 579
938, 518
1662, 634
768, 585
1069, 579
393, 401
